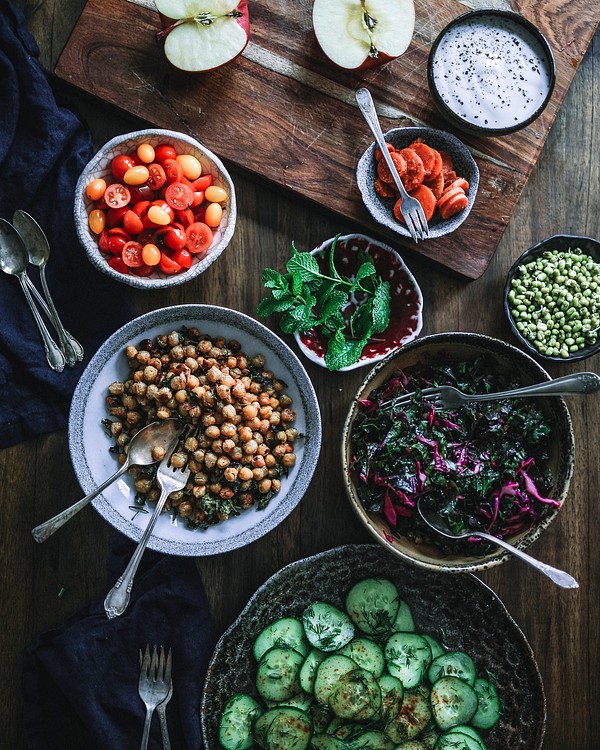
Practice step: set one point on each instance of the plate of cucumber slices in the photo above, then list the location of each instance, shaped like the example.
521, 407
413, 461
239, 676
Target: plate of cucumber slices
352, 650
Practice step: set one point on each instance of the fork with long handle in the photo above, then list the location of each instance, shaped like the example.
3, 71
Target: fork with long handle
153, 686
161, 709
410, 208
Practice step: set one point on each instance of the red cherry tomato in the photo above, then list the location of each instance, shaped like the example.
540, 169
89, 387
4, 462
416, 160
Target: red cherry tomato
119, 232
179, 195
172, 237
114, 216
120, 164
167, 265
157, 176
103, 241
132, 222
199, 237
117, 195
141, 193
185, 217
116, 263
199, 213
183, 257
161, 203
116, 244
198, 198
143, 270
132, 254
173, 170
164, 152
202, 182
141, 208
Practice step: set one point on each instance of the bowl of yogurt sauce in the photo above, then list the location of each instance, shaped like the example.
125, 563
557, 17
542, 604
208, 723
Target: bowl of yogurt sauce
491, 72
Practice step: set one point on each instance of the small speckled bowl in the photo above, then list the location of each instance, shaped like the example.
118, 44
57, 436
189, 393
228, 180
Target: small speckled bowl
468, 616
562, 243
99, 166
459, 347
491, 72
381, 209
89, 443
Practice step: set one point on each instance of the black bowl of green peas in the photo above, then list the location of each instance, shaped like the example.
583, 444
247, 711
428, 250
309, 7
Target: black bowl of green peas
552, 298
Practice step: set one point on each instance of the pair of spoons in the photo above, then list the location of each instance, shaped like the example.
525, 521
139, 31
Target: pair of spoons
21, 243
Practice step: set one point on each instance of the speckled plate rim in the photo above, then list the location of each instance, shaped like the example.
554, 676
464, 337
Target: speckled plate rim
363, 361
564, 242
231, 668
99, 164
89, 444
450, 565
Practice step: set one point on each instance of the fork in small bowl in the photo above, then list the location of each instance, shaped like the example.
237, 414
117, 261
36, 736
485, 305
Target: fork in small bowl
154, 686
410, 208
448, 397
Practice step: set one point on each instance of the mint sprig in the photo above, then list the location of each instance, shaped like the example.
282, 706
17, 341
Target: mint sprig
309, 298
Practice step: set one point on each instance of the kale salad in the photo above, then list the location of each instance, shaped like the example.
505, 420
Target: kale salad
482, 466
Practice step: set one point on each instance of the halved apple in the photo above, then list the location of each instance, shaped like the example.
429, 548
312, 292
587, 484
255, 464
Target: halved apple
359, 34
201, 35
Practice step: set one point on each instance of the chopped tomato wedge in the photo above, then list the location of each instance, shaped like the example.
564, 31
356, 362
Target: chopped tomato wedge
179, 195
199, 237
132, 254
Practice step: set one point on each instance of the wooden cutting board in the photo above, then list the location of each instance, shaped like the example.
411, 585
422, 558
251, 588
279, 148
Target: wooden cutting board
283, 113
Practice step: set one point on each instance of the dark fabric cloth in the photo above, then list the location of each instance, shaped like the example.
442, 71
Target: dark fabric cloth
43, 149
81, 680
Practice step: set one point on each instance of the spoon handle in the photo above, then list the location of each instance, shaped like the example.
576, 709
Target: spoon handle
578, 382
558, 576
46, 529
55, 357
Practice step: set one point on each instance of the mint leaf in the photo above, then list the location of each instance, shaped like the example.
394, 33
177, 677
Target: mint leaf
361, 321
273, 279
343, 353
297, 284
364, 270
298, 319
334, 303
381, 307
305, 265
270, 305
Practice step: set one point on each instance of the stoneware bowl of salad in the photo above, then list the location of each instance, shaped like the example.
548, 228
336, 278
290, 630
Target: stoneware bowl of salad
498, 466
552, 298
154, 208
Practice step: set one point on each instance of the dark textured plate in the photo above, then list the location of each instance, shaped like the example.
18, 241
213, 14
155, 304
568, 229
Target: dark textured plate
468, 613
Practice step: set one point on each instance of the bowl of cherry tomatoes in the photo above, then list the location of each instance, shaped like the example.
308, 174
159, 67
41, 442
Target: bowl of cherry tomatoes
154, 208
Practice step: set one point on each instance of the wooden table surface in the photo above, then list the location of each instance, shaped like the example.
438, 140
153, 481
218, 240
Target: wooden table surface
561, 626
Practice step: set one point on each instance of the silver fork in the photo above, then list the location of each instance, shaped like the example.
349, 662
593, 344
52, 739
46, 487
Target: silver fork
169, 480
410, 208
154, 686
448, 397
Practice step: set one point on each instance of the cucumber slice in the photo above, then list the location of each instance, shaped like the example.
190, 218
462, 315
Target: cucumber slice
235, 724
465, 729
453, 663
429, 736
356, 696
324, 741
488, 706
308, 671
367, 654
458, 741
329, 672
413, 717
408, 656
291, 729
327, 627
371, 739
436, 647
411, 745
320, 716
299, 700
277, 675
453, 702
404, 621
285, 632
373, 605
261, 726
392, 693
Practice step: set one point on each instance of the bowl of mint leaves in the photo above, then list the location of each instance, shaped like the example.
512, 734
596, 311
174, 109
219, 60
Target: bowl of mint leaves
349, 302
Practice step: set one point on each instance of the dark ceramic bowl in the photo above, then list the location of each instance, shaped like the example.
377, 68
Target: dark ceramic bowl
447, 348
491, 72
381, 209
468, 614
563, 243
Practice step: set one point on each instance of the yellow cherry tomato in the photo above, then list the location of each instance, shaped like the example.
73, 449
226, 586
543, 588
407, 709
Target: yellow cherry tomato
192, 169
145, 152
158, 215
215, 194
95, 190
213, 214
97, 221
136, 175
151, 254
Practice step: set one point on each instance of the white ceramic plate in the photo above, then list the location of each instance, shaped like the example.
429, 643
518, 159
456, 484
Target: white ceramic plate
89, 444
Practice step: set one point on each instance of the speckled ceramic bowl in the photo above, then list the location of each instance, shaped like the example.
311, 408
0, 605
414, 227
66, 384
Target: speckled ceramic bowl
457, 347
406, 306
562, 243
99, 166
457, 614
381, 209
89, 443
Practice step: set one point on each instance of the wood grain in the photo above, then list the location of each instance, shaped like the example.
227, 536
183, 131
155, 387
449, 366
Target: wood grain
36, 478
283, 113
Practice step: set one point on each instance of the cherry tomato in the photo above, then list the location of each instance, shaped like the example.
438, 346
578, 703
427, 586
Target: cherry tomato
157, 215
167, 265
202, 182
141, 193
192, 169
137, 175
179, 195
156, 176
141, 208
215, 194
164, 152
198, 198
103, 241
117, 195
185, 217
143, 270
165, 207
132, 222
150, 254
199, 212
173, 170
119, 232
172, 237
96, 220
132, 254
145, 153
120, 164
116, 243
199, 237
117, 264
114, 216
95, 190
213, 214
183, 257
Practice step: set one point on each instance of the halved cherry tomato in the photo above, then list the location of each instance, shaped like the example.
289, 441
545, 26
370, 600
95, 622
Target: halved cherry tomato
103, 241
117, 195
199, 237
132, 222
116, 263
183, 257
120, 164
172, 237
167, 265
197, 199
202, 182
143, 270
114, 216
132, 254
141, 193
116, 243
185, 217
141, 208
173, 170
119, 232
179, 195
157, 176
164, 152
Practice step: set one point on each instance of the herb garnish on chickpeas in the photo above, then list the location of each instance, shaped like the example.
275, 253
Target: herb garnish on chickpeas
242, 441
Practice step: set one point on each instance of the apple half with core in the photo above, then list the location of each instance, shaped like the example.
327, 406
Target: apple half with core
360, 34
202, 35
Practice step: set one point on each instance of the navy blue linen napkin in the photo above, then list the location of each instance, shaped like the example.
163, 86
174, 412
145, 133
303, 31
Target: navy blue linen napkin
81, 680
43, 149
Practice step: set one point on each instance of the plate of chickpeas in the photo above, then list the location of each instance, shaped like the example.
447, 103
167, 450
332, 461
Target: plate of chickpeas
251, 427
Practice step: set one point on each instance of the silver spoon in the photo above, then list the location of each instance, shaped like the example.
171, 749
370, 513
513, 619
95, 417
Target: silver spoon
13, 261
439, 524
161, 434
38, 248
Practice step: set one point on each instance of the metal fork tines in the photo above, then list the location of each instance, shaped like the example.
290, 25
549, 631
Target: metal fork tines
154, 688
